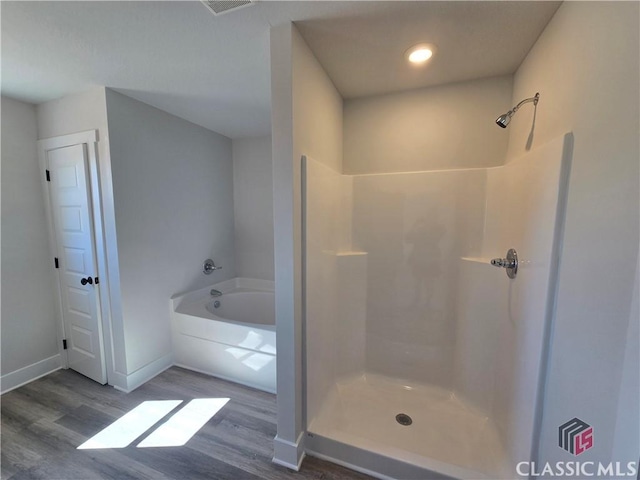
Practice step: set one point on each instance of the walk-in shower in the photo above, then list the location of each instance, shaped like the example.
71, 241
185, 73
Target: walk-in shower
504, 119
420, 356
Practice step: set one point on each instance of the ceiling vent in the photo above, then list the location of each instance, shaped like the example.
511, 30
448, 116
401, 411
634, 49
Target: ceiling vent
218, 8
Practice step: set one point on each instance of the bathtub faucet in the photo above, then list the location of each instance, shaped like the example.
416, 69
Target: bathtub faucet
215, 293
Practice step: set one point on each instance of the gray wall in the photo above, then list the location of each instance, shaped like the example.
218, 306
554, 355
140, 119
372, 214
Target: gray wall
628, 421
173, 197
253, 207
306, 120
586, 67
436, 128
29, 328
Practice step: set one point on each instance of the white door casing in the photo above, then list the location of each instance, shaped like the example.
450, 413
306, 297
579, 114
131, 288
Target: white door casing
73, 238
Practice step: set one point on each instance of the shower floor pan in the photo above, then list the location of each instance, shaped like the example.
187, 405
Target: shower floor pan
446, 435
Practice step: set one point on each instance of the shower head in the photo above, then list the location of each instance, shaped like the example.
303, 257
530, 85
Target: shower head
504, 119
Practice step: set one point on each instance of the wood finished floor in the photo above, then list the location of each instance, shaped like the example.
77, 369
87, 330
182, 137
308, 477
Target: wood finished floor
43, 423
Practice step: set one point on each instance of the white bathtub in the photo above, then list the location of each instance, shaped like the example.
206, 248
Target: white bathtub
236, 340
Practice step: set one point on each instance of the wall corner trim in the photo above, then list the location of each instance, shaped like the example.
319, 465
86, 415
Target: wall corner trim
22, 376
144, 374
289, 454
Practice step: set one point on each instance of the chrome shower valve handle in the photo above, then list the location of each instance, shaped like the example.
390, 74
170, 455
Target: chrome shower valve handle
208, 267
503, 262
510, 263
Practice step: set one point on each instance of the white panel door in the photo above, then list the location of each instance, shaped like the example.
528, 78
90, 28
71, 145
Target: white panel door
69, 190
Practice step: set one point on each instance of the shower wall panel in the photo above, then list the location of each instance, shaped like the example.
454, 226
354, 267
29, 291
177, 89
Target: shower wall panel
481, 301
503, 323
525, 210
334, 282
415, 227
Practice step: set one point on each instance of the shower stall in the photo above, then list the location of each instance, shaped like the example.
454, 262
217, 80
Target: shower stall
422, 359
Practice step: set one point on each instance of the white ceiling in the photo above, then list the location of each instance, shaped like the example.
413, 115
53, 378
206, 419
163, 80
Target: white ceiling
214, 71
364, 53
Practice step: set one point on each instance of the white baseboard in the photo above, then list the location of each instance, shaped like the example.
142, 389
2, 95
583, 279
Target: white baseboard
29, 373
289, 454
144, 374
127, 383
117, 380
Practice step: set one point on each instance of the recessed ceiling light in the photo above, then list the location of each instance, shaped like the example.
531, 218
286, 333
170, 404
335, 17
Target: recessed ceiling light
419, 54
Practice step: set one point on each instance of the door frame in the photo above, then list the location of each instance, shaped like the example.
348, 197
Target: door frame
89, 139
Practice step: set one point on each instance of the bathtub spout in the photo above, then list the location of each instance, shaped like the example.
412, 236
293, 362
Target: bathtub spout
215, 293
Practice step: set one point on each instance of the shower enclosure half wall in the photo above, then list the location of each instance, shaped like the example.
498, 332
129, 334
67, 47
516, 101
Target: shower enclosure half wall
423, 359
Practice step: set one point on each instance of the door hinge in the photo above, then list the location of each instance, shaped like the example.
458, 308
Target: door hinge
48, 175
96, 280
64, 344
55, 261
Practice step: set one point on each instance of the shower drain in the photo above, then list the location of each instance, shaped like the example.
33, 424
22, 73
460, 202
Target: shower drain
404, 419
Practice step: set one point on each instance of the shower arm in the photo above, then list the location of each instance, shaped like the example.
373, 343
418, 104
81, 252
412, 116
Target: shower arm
533, 99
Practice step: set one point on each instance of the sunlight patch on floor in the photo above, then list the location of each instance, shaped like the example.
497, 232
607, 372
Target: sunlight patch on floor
185, 424
175, 432
130, 426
